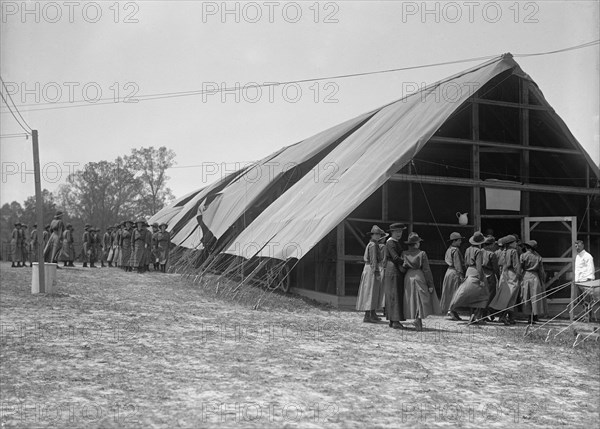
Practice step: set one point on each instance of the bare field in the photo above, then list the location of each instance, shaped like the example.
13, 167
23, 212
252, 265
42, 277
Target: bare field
114, 349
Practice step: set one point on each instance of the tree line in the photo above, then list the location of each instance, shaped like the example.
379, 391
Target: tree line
102, 193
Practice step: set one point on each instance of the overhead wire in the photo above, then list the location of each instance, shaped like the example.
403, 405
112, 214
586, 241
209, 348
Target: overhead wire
104, 101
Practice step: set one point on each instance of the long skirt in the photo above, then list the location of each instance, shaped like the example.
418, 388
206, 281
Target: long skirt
492, 283
35, 247
472, 293
138, 254
16, 251
111, 254
370, 291
507, 291
418, 301
125, 256
532, 290
452, 281
163, 254
52, 248
393, 287
25, 250
117, 256
65, 252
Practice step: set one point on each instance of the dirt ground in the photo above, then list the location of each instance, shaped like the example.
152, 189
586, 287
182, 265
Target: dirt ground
115, 349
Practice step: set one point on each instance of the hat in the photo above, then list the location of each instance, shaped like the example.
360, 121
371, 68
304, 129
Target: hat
489, 239
413, 238
69, 226
24, 225
141, 220
87, 225
456, 236
509, 239
47, 226
35, 225
531, 243
397, 227
163, 223
58, 213
109, 227
155, 224
128, 221
477, 238
17, 223
376, 230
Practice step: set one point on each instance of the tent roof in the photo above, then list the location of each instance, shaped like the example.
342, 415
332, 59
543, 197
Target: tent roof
354, 159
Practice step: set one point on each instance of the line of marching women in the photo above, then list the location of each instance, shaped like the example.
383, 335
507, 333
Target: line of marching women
128, 245
398, 280
493, 278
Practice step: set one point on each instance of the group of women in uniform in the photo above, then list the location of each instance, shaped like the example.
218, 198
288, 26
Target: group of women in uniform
489, 279
129, 245
136, 248
399, 280
493, 278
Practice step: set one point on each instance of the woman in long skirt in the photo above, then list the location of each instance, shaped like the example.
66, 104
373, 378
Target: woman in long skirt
117, 244
532, 285
420, 298
66, 254
393, 277
163, 240
508, 285
16, 247
125, 247
473, 292
34, 244
455, 274
52, 248
139, 244
370, 291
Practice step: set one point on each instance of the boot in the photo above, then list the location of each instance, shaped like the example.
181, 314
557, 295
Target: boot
396, 325
103, 266
454, 316
92, 265
374, 316
164, 268
13, 265
65, 264
85, 265
110, 264
367, 318
418, 324
71, 264
532, 319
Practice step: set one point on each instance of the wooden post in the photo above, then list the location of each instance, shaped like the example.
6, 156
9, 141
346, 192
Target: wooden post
573, 255
385, 201
39, 210
475, 166
410, 202
524, 135
340, 272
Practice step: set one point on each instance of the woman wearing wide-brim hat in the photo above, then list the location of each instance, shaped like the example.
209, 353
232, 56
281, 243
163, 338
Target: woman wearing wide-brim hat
532, 285
393, 277
370, 291
52, 248
455, 273
139, 244
67, 251
508, 284
16, 246
163, 241
473, 292
125, 245
420, 298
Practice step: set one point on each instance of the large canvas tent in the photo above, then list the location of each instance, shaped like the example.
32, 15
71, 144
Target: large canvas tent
484, 141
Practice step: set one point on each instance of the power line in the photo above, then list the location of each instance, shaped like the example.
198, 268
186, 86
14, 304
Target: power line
13, 136
103, 101
14, 116
16, 109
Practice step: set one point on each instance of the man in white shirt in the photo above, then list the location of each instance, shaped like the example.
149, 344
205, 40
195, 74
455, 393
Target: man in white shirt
584, 264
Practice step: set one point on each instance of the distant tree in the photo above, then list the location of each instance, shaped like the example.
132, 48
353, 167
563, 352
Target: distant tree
10, 213
102, 193
150, 166
29, 215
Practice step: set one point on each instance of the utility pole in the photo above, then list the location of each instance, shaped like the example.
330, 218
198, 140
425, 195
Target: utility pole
39, 210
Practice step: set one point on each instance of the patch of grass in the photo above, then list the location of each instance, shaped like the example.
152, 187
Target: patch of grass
115, 349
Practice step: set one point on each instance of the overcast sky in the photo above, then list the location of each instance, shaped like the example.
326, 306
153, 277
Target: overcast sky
64, 56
